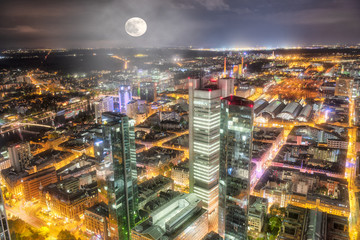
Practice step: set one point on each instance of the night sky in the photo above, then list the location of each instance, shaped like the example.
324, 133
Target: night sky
172, 23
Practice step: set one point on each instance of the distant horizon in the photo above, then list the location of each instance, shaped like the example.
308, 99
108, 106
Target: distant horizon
197, 48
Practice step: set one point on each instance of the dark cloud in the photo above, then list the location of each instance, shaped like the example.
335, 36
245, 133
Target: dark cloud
200, 23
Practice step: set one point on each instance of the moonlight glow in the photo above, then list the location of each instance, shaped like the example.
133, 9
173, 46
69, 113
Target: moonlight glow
135, 27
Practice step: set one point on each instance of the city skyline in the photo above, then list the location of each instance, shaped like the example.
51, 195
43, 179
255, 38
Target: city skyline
180, 119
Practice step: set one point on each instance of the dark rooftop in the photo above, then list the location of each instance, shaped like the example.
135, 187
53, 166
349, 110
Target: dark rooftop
235, 100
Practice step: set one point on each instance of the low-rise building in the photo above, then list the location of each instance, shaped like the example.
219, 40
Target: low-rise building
52, 158
96, 220
285, 186
257, 213
81, 166
156, 158
67, 199
33, 183
150, 189
181, 218
312, 224
180, 175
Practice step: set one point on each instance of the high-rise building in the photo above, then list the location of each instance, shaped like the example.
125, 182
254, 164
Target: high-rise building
204, 141
104, 105
20, 156
4, 231
119, 136
125, 97
148, 91
132, 109
235, 159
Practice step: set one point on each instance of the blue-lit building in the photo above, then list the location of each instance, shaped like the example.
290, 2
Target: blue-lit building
125, 97
236, 126
119, 137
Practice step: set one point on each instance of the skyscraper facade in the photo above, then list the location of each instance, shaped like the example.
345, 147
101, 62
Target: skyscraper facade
104, 105
148, 91
236, 125
204, 145
125, 97
119, 136
20, 156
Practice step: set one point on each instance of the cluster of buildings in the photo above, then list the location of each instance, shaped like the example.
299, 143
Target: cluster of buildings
302, 223
136, 173
294, 111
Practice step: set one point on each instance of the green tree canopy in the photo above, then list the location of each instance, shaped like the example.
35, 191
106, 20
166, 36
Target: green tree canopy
65, 235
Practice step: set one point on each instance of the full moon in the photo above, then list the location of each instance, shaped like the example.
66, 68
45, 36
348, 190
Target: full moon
135, 27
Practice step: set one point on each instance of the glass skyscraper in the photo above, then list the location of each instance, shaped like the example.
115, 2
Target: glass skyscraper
119, 137
236, 126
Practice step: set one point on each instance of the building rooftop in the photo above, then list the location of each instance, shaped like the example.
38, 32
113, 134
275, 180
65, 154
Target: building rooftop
153, 185
292, 181
157, 156
266, 134
56, 191
212, 236
259, 148
302, 223
239, 101
100, 209
48, 157
170, 219
313, 158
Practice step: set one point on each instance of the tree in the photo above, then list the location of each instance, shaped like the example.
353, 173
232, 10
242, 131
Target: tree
23, 231
65, 235
18, 226
275, 224
274, 209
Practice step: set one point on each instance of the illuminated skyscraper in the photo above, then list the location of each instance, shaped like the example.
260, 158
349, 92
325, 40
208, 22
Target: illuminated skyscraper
118, 131
125, 97
20, 156
204, 143
104, 105
148, 91
235, 158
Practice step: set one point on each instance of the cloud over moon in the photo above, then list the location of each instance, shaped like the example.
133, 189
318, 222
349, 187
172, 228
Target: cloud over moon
202, 23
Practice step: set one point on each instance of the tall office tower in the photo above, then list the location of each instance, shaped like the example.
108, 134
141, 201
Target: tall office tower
20, 156
235, 158
125, 97
119, 136
204, 144
148, 91
104, 105
4, 231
